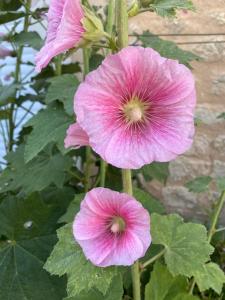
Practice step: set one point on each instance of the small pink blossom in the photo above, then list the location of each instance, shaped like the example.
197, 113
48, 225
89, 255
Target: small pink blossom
112, 228
137, 107
4, 52
64, 30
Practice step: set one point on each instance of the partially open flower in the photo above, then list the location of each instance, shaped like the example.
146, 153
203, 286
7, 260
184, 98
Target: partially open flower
69, 25
64, 30
112, 228
136, 108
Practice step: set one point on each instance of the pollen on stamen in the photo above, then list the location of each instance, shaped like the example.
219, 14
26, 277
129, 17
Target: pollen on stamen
117, 225
135, 111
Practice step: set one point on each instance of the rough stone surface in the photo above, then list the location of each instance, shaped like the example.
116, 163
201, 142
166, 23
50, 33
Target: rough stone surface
207, 155
188, 168
218, 168
218, 85
219, 143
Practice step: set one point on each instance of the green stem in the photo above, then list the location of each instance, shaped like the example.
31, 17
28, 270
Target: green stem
103, 166
122, 28
135, 268
216, 215
17, 78
88, 149
85, 62
110, 17
154, 258
122, 23
212, 230
58, 65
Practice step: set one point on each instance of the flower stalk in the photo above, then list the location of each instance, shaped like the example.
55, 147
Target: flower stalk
88, 148
122, 27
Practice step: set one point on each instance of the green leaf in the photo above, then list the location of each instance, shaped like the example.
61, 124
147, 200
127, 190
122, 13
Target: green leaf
10, 4
220, 182
165, 288
167, 48
31, 39
210, 276
186, 245
44, 170
72, 210
221, 116
67, 83
7, 93
49, 125
67, 258
115, 292
159, 171
148, 201
4, 114
29, 229
167, 8
184, 296
8, 16
95, 61
199, 184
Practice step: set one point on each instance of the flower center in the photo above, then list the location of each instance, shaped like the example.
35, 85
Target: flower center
117, 225
135, 110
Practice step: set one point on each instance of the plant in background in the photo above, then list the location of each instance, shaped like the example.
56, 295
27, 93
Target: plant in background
66, 230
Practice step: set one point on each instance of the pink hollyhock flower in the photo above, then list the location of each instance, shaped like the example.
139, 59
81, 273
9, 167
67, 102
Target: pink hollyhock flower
4, 52
64, 30
112, 228
136, 108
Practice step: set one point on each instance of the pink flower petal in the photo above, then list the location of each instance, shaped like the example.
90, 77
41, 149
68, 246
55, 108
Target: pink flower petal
76, 137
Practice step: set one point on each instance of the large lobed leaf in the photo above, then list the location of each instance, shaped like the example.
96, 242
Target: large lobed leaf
67, 258
28, 226
49, 125
167, 48
186, 245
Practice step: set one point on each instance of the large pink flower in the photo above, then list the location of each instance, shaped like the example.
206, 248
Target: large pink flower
136, 108
112, 228
64, 30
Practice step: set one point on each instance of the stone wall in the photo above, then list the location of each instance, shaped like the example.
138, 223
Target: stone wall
207, 156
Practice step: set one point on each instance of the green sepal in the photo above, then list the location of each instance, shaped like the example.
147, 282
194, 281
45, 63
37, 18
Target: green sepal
94, 30
133, 9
